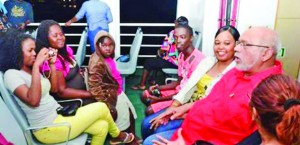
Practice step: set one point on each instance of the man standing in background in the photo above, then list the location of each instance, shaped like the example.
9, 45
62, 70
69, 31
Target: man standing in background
19, 14
98, 16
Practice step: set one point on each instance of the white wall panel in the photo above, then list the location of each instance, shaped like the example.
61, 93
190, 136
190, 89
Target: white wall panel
204, 15
114, 27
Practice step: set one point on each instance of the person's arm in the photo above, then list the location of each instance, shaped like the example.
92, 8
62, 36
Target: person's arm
170, 113
181, 111
31, 95
109, 16
163, 141
53, 75
175, 103
68, 23
78, 16
69, 93
96, 76
53, 78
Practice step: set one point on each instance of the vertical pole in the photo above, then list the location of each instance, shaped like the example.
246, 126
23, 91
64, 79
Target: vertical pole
234, 13
228, 12
221, 14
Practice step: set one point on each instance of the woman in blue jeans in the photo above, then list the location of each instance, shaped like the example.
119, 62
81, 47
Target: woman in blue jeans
149, 134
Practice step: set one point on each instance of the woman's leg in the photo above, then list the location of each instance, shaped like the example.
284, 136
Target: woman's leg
99, 130
165, 134
146, 131
124, 107
172, 124
145, 128
155, 107
154, 64
88, 119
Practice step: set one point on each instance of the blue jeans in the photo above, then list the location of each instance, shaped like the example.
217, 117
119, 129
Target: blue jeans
171, 125
166, 134
91, 36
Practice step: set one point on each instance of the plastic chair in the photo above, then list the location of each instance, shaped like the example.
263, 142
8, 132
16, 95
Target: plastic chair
128, 68
19, 115
172, 74
81, 50
34, 33
9, 126
197, 40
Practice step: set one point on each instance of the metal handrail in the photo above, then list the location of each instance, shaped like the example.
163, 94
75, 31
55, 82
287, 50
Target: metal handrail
121, 35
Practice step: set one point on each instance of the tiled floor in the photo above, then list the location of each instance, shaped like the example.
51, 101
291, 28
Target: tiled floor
134, 96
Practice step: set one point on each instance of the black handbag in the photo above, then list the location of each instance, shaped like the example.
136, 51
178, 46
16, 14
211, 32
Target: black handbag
68, 109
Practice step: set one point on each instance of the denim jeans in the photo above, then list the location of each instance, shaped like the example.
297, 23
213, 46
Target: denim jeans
171, 125
165, 134
91, 37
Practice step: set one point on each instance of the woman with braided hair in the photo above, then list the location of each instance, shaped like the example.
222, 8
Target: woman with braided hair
275, 105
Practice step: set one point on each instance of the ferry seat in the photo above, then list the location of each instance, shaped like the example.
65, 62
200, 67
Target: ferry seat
34, 33
9, 127
19, 115
197, 40
129, 67
81, 50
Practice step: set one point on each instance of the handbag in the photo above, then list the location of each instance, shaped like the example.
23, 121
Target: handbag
68, 109
123, 58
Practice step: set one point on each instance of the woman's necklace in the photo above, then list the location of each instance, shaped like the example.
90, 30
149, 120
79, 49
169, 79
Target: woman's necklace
43, 70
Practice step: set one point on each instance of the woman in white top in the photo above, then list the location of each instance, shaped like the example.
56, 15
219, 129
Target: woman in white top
23, 78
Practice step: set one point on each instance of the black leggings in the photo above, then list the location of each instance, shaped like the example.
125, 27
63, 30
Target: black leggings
158, 64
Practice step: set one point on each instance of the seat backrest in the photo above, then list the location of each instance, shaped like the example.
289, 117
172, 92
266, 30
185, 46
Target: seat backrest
9, 126
13, 106
135, 47
81, 50
34, 33
197, 40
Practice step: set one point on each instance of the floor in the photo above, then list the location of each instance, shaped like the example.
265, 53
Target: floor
134, 96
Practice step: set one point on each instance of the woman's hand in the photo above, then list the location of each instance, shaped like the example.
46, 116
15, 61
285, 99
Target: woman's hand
171, 113
151, 88
157, 121
177, 112
41, 57
68, 23
164, 141
52, 55
163, 118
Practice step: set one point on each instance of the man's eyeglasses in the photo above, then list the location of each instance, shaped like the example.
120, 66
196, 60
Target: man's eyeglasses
243, 44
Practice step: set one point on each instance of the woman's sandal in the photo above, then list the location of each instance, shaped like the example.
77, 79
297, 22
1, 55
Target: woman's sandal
138, 87
128, 139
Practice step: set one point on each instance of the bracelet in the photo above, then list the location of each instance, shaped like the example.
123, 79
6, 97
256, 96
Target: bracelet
51, 63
